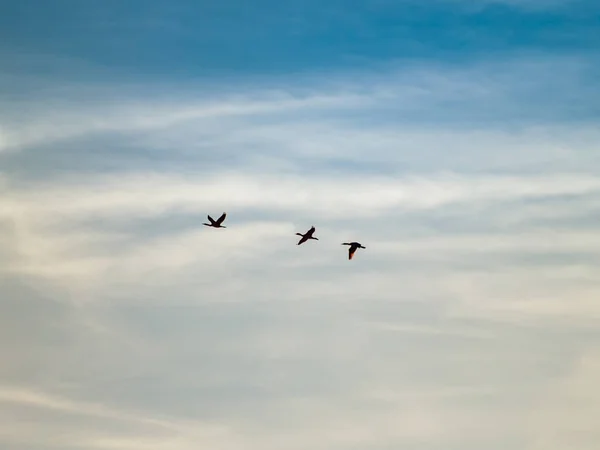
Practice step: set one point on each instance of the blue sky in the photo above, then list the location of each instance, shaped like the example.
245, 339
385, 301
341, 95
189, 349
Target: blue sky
457, 140
231, 38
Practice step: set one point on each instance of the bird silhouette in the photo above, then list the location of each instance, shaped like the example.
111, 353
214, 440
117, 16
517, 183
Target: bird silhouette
308, 235
216, 223
353, 247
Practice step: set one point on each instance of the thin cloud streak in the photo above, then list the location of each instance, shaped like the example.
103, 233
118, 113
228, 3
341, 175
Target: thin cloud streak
417, 90
23, 396
143, 118
148, 195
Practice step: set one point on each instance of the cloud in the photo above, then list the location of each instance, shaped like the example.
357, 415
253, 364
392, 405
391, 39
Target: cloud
567, 406
9, 394
163, 433
148, 194
55, 231
467, 323
405, 95
70, 125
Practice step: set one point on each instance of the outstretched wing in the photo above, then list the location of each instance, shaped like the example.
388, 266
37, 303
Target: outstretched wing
351, 251
211, 220
310, 232
221, 219
303, 239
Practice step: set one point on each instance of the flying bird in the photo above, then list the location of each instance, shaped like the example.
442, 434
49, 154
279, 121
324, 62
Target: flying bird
353, 247
217, 223
308, 235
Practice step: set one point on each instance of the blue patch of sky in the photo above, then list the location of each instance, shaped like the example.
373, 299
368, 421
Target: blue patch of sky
209, 38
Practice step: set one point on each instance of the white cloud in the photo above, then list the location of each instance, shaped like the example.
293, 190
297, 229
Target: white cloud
568, 407
53, 236
146, 330
68, 124
164, 432
418, 92
145, 195
22, 396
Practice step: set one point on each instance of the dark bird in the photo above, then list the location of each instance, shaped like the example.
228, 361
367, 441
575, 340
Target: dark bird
307, 236
353, 247
217, 223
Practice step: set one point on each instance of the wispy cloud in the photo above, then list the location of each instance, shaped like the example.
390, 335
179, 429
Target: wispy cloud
21, 396
402, 97
469, 321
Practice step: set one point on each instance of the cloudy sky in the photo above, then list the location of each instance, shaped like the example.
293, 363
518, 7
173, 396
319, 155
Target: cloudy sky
457, 140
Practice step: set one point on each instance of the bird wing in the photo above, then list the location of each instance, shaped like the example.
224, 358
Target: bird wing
303, 239
211, 220
351, 251
311, 231
221, 219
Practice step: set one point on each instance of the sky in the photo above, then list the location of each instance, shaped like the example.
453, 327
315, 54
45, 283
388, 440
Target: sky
457, 140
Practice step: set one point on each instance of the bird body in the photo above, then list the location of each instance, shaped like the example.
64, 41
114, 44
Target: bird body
353, 247
306, 236
216, 223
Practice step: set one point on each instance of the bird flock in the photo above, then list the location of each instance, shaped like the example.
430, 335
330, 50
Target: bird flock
353, 246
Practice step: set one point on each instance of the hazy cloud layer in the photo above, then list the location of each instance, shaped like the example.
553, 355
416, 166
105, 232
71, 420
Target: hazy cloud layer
470, 321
